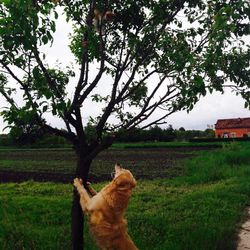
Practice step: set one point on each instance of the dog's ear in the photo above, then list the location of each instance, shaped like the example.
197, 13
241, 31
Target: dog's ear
118, 167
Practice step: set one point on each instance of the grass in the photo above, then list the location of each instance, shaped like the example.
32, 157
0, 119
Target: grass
166, 144
32, 213
200, 210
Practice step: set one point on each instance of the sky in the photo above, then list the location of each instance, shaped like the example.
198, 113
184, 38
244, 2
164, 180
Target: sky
205, 113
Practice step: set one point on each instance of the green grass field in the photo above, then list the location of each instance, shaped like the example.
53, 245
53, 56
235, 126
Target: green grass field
199, 210
166, 144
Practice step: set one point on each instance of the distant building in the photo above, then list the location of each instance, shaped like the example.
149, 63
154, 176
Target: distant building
232, 128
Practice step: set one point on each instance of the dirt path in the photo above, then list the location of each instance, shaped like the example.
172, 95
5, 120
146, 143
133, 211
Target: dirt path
244, 234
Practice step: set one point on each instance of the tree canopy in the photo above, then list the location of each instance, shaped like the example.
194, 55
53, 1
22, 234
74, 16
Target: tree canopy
148, 55
157, 54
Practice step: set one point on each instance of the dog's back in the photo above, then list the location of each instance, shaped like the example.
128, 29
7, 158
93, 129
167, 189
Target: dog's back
107, 224
106, 211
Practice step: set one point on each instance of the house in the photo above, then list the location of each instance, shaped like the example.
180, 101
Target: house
232, 128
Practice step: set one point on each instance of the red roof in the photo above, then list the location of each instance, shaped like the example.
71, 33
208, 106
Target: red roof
233, 123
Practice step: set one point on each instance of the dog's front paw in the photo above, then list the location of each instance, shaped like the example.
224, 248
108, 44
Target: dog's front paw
77, 182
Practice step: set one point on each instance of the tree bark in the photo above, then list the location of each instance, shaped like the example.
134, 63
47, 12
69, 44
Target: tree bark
77, 216
77, 221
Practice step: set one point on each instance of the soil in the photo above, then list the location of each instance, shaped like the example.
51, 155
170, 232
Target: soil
163, 158
20, 176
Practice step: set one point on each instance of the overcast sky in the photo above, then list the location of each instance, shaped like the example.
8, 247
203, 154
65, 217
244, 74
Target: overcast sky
206, 111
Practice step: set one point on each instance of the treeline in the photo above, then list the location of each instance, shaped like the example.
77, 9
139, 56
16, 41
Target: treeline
159, 134
45, 141
152, 134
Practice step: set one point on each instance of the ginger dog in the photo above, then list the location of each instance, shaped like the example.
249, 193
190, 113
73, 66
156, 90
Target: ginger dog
106, 210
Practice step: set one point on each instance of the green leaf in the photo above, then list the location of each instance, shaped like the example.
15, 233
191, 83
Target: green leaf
56, 15
45, 39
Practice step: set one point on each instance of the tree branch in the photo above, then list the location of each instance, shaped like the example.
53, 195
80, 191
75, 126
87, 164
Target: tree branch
143, 115
50, 81
23, 85
158, 121
8, 98
80, 21
69, 136
97, 78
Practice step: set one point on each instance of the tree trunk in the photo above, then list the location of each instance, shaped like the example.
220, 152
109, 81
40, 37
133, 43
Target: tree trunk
77, 216
76, 223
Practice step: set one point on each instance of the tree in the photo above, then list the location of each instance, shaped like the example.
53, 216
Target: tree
155, 133
182, 129
159, 55
209, 133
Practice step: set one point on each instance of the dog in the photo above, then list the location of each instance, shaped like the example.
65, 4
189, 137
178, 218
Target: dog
106, 210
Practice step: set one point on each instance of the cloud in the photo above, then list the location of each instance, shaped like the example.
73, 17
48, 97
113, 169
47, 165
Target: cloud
209, 109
